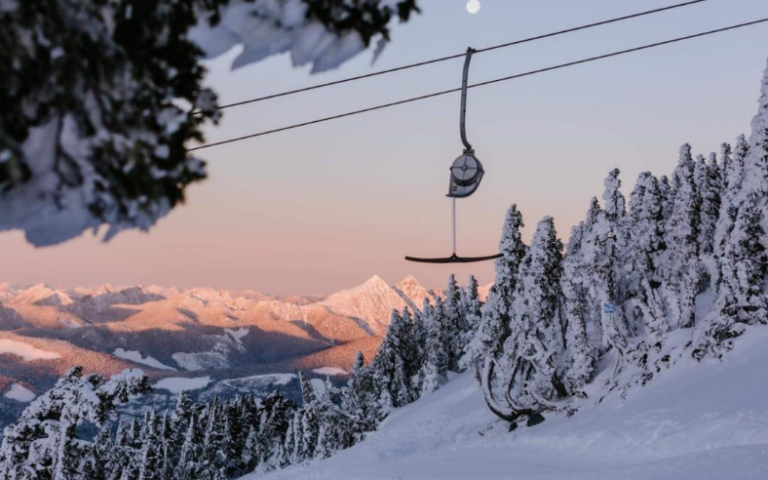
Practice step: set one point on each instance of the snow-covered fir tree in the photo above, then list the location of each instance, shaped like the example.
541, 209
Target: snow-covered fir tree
709, 184
487, 343
683, 269
472, 311
580, 355
390, 362
732, 175
532, 351
455, 326
435, 363
45, 438
645, 250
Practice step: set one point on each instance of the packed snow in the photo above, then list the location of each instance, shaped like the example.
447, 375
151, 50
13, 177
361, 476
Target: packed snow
135, 356
20, 393
330, 371
318, 385
700, 420
26, 351
180, 384
271, 378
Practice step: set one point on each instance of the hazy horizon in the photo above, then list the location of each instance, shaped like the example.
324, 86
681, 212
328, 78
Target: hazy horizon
324, 208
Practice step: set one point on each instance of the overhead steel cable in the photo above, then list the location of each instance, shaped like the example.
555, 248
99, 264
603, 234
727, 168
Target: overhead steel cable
461, 55
482, 84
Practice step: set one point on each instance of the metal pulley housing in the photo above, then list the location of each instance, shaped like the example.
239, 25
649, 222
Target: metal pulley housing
466, 174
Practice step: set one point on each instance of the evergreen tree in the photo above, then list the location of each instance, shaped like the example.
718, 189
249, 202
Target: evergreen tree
390, 362
709, 185
234, 438
96, 466
289, 445
363, 395
278, 411
68, 456
645, 251
134, 433
310, 418
150, 466
533, 350
596, 268
249, 456
581, 358
191, 451
166, 447
487, 344
214, 458
454, 326
667, 195
411, 352
418, 339
472, 311
733, 171
683, 270
185, 407
435, 364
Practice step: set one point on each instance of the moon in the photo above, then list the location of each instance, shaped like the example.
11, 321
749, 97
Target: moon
473, 6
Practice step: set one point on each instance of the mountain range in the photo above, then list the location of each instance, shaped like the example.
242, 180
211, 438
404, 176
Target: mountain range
227, 337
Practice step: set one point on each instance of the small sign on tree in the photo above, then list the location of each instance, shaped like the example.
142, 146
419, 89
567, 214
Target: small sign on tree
608, 308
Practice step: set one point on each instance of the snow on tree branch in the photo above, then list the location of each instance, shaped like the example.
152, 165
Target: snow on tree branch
97, 97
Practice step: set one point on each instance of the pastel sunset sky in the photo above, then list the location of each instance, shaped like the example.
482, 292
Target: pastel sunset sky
322, 208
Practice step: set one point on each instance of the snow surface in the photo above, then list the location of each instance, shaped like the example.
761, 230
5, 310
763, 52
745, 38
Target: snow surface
254, 381
135, 356
705, 421
275, 378
180, 384
271, 378
26, 351
331, 371
20, 393
318, 384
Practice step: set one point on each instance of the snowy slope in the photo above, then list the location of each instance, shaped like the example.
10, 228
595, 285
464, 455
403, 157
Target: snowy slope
702, 421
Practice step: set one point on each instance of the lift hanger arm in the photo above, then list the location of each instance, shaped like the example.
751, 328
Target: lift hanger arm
463, 121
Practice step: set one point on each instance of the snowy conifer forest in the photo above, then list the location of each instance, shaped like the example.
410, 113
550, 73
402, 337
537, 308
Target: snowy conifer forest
671, 273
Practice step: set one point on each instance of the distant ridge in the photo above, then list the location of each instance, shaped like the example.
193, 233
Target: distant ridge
196, 331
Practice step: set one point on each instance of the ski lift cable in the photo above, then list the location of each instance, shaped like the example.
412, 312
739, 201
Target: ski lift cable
482, 84
460, 55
